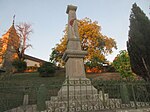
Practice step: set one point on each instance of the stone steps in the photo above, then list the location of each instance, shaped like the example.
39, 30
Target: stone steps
80, 97
88, 102
81, 102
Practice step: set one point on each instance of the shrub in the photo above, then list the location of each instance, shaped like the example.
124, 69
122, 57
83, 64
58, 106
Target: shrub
110, 68
122, 64
19, 65
47, 70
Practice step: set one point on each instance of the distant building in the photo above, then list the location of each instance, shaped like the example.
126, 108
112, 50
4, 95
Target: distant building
33, 63
7, 52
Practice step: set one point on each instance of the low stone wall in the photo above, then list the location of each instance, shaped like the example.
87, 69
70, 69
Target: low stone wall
135, 110
28, 108
32, 108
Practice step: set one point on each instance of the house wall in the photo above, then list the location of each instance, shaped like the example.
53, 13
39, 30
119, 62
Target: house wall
32, 63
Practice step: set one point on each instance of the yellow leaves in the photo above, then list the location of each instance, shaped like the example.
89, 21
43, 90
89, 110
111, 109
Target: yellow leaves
6, 41
94, 53
92, 40
3, 46
109, 44
62, 46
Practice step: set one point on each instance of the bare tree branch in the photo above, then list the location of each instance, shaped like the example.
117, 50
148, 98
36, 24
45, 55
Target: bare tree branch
24, 30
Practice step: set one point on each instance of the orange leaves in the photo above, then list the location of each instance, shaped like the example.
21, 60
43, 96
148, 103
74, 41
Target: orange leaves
92, 40
62, 46
88, 29
3, 45
109, 44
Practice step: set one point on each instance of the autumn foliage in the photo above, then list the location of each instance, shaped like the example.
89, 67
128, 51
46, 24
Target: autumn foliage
92, 40
6, 43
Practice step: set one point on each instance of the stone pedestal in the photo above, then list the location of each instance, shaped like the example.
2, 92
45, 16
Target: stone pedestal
75, 87
76, 83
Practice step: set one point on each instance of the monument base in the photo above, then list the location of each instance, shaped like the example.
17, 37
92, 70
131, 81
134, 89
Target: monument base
78, 94
77, 87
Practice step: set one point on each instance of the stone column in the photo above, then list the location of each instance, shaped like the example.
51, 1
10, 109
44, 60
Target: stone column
73, 56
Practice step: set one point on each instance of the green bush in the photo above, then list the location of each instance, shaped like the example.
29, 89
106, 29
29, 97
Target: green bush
47, 70
110, 68
122, 64
19, 65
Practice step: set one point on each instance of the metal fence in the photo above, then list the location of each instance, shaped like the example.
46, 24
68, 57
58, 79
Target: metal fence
131, 94
110, 95
14, 96
78, 96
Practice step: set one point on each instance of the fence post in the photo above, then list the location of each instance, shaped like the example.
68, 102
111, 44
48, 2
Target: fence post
133, 93
25, 101
41, 98
124, 93
25, 98
103, 95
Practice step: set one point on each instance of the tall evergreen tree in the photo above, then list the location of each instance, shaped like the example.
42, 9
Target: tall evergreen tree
138, 44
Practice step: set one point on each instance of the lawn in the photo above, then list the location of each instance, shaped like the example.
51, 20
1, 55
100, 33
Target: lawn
13, 89
33, 79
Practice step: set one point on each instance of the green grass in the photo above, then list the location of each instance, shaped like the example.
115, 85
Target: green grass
13, 89
33, 79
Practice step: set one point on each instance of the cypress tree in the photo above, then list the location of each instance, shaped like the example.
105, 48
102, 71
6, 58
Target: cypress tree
138, 44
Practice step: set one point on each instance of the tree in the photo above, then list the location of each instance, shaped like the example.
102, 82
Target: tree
92, 40
47, 69
122, 64
1, 50
138, 42
7, 43
20, 65
24, 30
94, 65
13, 45
19, 42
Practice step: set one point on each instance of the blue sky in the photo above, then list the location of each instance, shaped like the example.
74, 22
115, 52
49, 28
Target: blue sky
48, 19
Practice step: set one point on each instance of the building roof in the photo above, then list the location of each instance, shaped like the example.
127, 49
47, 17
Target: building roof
34, 59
